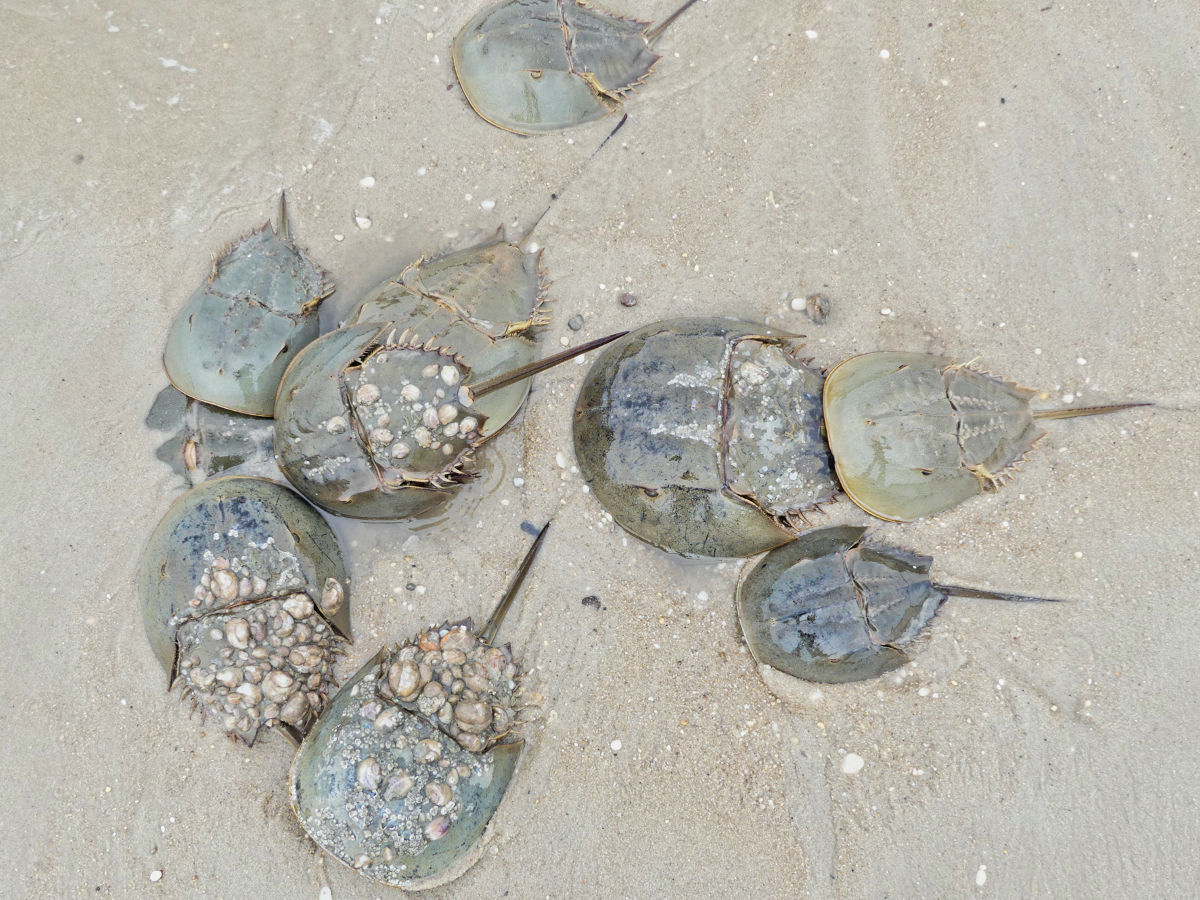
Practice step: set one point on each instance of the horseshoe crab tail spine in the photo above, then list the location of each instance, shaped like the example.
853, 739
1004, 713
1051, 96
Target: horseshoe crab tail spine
485, 387
1086, 410
557, 195
283, 229
493, 624
656, 32
974, 593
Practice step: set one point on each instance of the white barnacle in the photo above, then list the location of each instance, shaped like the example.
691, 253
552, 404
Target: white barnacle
469, 424
336, 425
225, 584
382, 436
450, 430
430, 371
423, 437
447, 414
410, 393
451, 375
400, 450
367, 394
237, 632
430, 417
332, 596
369, 773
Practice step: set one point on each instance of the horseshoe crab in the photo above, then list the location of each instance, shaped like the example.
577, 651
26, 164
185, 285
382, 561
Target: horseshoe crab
245, 602
208, 440
390, 784
913, 435
235, 337
384, 427
481, 303
535, 66
703, 436
831, 608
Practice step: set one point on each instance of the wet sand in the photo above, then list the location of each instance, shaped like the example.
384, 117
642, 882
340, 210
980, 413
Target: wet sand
1015, 182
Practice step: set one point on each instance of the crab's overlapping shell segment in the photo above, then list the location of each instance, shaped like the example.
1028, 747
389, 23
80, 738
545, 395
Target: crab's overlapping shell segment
996, 426
226, 518
775, 451
364, 788
482, 304
328, 447
649, 439
913, 435
512, 63
897, 594
800, 612
235, 337
610, 49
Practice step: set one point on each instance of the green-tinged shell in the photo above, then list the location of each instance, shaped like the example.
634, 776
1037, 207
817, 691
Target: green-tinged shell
703, 436
535, 66
235, 337
914, 435
826, 608
372, 425
385, 792
242, 580
481, 303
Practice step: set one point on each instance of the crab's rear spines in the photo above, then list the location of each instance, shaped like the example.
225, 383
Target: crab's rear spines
463, 685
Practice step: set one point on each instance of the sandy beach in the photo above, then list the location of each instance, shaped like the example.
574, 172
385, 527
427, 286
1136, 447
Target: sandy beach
1014, 182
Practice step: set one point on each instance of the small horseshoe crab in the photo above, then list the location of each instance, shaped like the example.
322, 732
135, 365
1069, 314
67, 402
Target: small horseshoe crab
235, 337
245, 602
481, 303
384, 427
831, 608
703, 436
536, 66
401, 775
209, 440
914, 434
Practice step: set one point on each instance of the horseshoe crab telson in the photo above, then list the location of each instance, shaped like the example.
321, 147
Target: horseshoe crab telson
245, 600
535, 66
913, 435
481, 304
235, 337
830, 608
703, 436
383, 427
381, 784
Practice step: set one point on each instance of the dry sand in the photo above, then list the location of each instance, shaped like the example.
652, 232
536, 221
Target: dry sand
1016, 181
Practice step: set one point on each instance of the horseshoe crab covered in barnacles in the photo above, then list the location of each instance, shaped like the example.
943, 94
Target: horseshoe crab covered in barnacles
829, 607
245, 602
481, 304
390, 783
914, 434
235, 337
535, 66
374, 425
703, 436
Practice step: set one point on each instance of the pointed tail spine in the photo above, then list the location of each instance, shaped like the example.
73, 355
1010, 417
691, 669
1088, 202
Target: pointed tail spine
1074, 411
493, 624
656, 32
